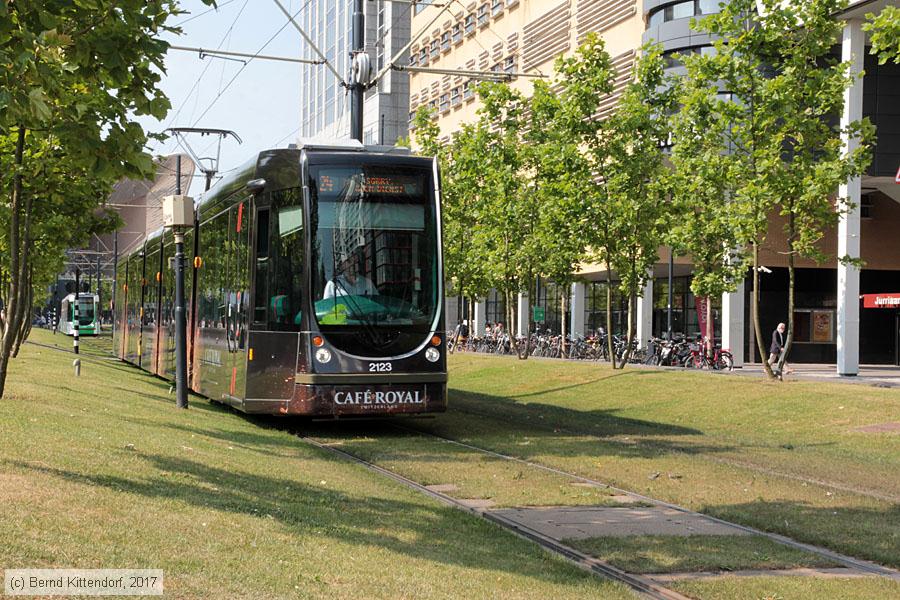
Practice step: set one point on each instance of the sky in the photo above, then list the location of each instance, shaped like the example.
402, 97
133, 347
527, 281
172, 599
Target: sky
260, 101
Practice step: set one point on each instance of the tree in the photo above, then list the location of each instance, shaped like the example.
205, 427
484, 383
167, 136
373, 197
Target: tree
884, 34
706, 226
781, 154
459, 206
548, 157
620, 173
73, 72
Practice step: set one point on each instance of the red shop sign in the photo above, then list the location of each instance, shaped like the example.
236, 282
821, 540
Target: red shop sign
881, 300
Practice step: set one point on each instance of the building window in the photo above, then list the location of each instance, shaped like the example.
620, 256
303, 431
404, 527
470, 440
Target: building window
866, 206
456, 33
445, 102
496, 7
412, 117
455, 96
470, 24
482, 15
509, 65
683, 10
445, 41
469, 90
423, 56
414, 57
435, 48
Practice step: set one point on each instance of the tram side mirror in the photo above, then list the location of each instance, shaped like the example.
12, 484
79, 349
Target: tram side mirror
255, 186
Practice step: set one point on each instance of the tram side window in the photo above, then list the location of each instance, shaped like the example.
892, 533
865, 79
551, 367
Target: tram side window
286, 258
239, 279
133, 298
261, 293
153, 273
210, 293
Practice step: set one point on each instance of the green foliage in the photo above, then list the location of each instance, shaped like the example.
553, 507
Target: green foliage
72, 73
616, 174
770, 147
884, 34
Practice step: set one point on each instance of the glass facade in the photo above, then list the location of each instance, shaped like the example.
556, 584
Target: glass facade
323, 103
684, 308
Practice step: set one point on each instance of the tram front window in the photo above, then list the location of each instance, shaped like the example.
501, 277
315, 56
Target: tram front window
375, 244
85, 312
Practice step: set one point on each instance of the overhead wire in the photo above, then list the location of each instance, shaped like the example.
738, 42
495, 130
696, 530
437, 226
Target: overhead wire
244, 66
202, 73
197, 16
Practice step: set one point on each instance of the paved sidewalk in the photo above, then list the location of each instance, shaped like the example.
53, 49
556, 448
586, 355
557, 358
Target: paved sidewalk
876, 375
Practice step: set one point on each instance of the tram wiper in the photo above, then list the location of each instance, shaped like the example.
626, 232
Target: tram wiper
368, 326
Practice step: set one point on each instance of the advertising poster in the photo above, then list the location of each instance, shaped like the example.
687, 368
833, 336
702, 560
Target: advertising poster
822, 326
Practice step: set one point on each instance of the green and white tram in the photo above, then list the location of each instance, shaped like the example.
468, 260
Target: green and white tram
88, 317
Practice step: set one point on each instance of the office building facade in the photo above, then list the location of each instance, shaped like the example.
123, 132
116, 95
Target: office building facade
832, 324
324, 101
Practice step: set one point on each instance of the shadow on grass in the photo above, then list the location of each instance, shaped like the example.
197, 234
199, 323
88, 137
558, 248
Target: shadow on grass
860, 531
595, 422
421, 530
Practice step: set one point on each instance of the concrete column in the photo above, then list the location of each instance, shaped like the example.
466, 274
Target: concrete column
852, 49
480, 319
733, 323
576, 303
523, 315
645, 314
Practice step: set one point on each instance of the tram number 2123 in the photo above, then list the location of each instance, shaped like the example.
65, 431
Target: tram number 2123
380, 367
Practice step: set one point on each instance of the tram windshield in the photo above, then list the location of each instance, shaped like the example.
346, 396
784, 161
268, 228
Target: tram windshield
85, 311
376, 256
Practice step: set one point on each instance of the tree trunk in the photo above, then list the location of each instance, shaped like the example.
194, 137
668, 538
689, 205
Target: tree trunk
788, 342
9, 323
629, 336
562, 324
710, 328
760, 341
609, 334
25, 324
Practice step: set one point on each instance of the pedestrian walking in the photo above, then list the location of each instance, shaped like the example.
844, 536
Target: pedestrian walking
777, 346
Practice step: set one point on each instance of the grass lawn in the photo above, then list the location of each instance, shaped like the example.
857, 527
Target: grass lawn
746, 450
104, 471
789, 588
681, 554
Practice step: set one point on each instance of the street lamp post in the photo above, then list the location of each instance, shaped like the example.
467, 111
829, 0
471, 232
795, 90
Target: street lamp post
178, 215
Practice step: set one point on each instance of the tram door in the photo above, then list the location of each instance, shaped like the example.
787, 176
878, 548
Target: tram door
238, 297
222, 280
276, 297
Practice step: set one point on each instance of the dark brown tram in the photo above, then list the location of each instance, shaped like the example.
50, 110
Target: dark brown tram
316, 287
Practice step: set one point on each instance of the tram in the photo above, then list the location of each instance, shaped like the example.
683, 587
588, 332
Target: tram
315, 287
88, 317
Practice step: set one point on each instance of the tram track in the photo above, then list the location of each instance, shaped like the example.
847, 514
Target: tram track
842, 559
714, 459
645, 586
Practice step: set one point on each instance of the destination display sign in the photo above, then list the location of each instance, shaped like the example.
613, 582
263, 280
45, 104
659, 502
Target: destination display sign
881, 300
338, 181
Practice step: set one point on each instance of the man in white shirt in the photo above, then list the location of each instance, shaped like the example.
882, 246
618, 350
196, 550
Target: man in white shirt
349, 282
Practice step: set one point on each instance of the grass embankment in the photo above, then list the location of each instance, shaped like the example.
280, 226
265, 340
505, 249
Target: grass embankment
746, 450
104, 471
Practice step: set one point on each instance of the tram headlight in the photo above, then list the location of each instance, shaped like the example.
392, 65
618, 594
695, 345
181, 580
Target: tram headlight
323, 355
432, 354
